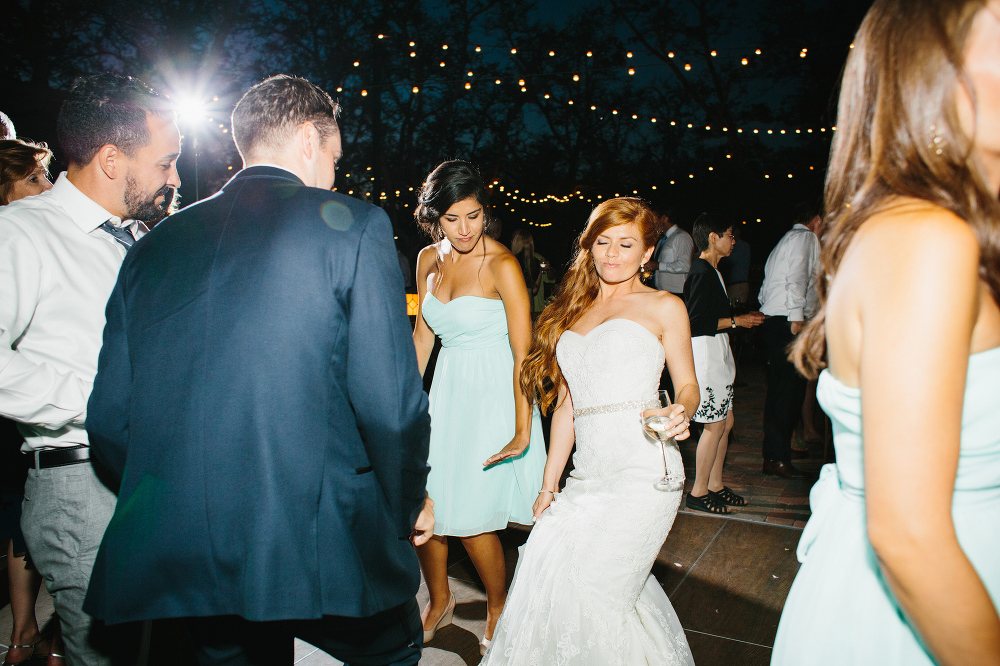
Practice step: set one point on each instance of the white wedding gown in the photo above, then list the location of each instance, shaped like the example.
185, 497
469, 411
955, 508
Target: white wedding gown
582, 592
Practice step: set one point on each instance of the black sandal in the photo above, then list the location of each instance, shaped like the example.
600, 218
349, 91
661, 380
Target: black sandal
727, 496
706, 503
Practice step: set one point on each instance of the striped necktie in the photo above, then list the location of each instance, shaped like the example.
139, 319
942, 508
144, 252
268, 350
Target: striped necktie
121, 234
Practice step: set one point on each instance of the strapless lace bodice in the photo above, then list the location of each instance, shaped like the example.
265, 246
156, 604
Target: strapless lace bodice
617, 361
612, 372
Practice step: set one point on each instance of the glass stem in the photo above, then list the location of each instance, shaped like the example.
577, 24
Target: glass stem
663, 450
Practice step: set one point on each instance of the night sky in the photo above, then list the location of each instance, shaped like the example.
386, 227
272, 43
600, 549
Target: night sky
676, 62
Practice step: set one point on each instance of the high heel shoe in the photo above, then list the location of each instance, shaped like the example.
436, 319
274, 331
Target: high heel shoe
484, 645
21, 647
444, 620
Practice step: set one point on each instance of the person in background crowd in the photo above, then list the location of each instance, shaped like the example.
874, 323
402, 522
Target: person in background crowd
522, 246
24, 169
711, 320
788, 298
61, 251
23, 173
672, 257
899, 558
736, 270
487, 449
6, 127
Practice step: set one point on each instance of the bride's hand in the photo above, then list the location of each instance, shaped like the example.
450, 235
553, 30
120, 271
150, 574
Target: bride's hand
541, 504
517, 446
679, 422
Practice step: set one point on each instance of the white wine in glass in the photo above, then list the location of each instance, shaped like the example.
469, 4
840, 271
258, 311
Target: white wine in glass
657, 427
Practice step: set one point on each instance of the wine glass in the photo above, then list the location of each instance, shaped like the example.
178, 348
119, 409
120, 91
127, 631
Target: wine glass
657, 427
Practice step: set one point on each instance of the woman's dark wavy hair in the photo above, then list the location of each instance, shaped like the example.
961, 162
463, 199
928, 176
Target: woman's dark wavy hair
898, 135
449, 183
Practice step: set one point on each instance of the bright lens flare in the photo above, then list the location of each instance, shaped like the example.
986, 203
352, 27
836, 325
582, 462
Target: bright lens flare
190, 110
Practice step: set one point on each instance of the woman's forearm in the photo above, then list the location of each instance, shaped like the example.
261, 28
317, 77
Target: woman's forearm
689, 395
561, 438
522, 406
424, 345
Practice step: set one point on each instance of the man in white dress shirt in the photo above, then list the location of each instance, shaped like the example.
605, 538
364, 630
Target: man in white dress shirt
788, 298
673, 258
60, 253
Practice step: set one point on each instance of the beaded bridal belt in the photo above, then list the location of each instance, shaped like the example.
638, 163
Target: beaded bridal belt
616, 407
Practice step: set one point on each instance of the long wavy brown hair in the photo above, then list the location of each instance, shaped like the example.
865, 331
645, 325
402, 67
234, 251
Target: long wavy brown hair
899, 135
540, 373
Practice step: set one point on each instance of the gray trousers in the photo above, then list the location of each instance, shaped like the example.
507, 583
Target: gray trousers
66, 510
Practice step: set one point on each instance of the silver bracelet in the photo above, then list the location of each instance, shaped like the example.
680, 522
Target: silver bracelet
543, 490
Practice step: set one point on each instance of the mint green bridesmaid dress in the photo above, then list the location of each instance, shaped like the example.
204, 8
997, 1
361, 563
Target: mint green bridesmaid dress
472, 417
840, 610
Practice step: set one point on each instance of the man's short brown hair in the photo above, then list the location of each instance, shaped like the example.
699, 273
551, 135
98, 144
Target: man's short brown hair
273, 107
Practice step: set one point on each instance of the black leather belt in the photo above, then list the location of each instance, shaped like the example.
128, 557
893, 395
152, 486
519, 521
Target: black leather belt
60, 457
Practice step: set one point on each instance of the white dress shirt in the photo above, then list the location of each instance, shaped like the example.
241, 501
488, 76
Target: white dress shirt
57, 270
791, 276
674, 260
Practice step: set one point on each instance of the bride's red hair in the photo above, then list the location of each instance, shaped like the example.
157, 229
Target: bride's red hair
540, 373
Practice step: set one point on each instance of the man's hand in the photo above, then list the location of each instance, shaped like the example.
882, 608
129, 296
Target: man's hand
424, 527
796, 327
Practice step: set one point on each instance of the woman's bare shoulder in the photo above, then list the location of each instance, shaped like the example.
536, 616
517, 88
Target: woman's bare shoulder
914, 222
663, 300
426, 258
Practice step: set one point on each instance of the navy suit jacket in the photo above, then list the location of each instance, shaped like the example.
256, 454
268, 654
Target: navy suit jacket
258, 397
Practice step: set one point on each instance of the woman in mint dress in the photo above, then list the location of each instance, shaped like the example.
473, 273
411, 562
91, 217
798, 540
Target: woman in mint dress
901, 557
486, 449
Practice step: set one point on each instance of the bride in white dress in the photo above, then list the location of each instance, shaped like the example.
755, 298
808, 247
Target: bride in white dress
582, 592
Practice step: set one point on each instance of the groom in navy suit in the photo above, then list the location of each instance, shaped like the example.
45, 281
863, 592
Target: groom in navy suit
258, 397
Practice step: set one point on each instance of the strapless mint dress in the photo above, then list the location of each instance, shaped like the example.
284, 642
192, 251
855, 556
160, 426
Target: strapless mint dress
472, 417
840, 610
